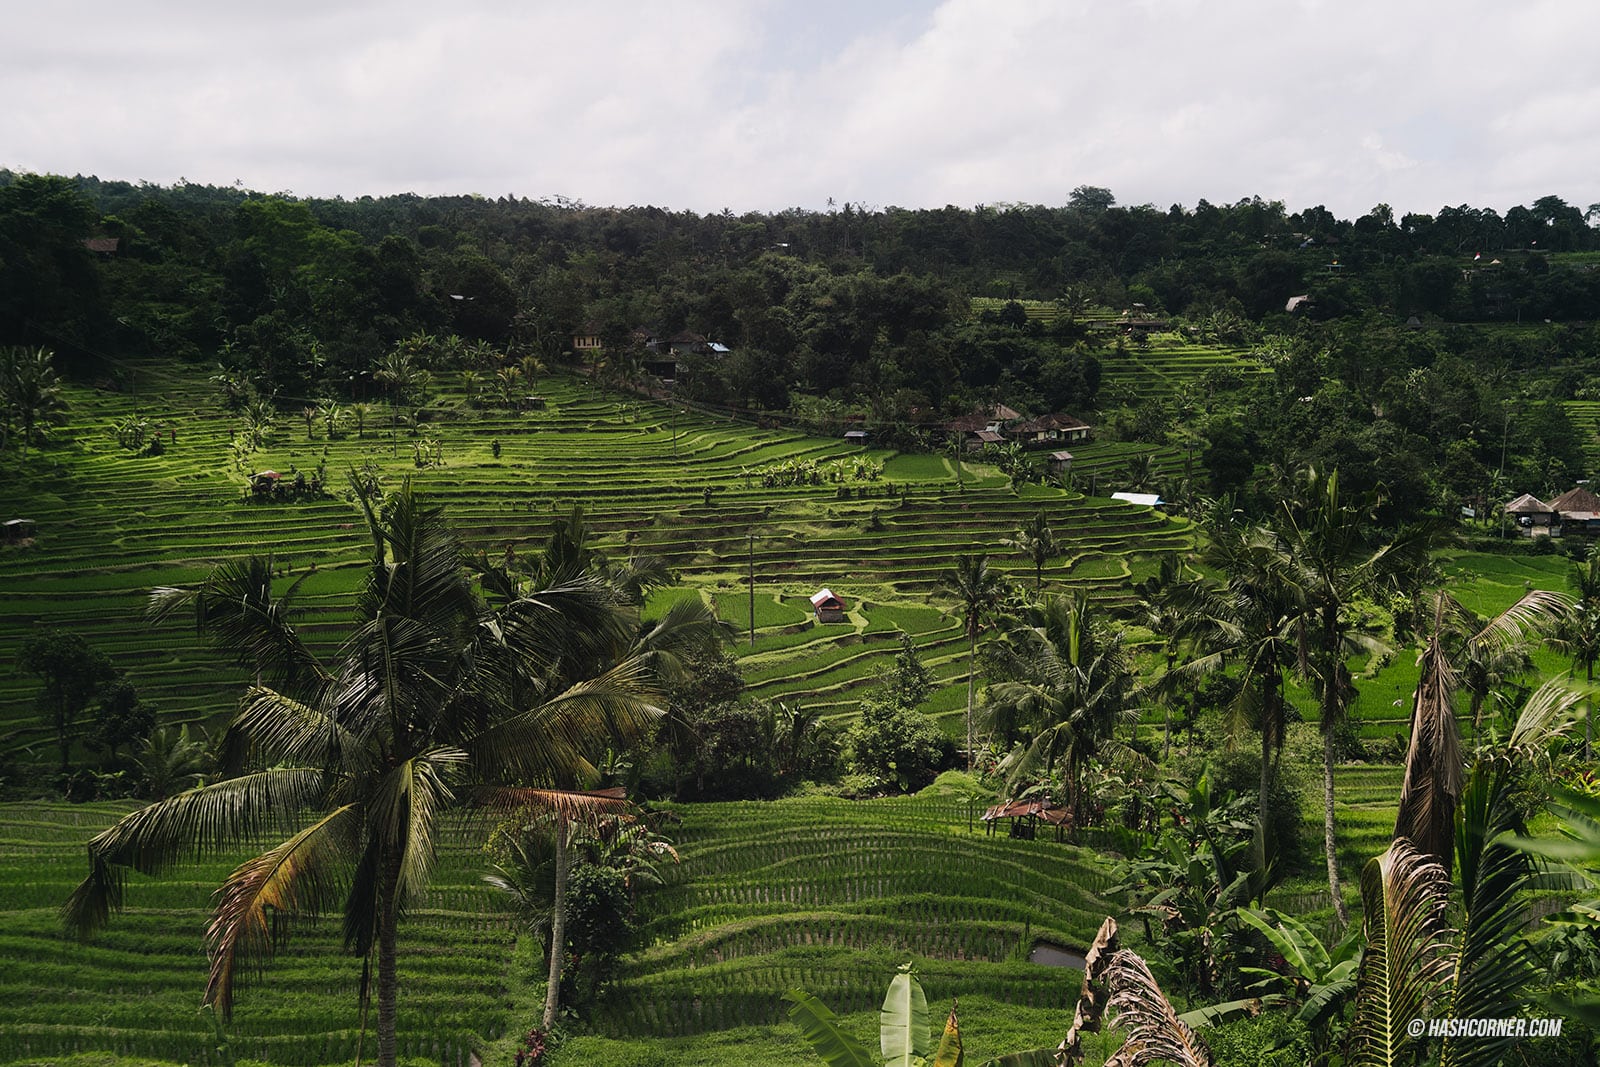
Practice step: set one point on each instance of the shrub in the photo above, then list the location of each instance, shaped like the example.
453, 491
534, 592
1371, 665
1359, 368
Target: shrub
898, 745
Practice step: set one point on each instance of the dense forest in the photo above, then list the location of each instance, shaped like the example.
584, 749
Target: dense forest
1428, 353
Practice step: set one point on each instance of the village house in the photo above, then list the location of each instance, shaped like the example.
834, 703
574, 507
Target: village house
1574, 513
1048, 430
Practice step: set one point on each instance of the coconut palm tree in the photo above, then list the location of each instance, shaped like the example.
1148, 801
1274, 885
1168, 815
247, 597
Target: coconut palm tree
1484, 966
1250, 615
433, 699
30, 394
1434, 780
1038, 542
1071, 688
980, 593
1330, 543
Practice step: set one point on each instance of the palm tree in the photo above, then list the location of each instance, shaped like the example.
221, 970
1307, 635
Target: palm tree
30, 394
1485, 966
1038, 542
1251, 616
1579, 634
1072, 682
1330, 544
979, 593
433, 698
1433, 781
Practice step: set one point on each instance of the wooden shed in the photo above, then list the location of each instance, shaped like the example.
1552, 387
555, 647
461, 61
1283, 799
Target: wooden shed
828, 608
20, 530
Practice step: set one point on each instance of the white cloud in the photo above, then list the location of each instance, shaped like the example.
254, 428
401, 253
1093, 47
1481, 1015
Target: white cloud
709, 104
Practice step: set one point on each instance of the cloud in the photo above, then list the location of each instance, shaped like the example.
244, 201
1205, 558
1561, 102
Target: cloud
706, 104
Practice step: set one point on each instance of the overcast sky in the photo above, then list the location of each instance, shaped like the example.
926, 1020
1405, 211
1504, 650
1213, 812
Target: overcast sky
769, 105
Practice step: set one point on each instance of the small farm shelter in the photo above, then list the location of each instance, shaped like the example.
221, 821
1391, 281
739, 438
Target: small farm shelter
1145, 500
828, 608
1024, 817
855, 437
18, 530
1060, 462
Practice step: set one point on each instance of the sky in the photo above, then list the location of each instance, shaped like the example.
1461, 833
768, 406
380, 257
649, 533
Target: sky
766, 105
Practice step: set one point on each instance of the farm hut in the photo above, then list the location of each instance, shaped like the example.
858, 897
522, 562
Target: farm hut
856, 437
533, 403
20, 530
1024, 816
978, 438
828, 608
587, 338
1534, 516
1060, 462
1577, 511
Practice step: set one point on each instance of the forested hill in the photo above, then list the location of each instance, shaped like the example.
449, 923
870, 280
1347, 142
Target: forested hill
1429, 351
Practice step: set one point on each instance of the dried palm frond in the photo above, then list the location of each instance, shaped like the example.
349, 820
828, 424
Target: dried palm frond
1093, 996
1155, 1033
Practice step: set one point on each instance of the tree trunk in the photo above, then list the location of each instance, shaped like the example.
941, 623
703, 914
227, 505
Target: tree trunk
1327, 831
1258, 843
558, 927
972, 679
388, 959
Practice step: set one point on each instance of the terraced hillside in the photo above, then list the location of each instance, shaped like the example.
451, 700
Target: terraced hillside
112, 526
830, 895
132, 995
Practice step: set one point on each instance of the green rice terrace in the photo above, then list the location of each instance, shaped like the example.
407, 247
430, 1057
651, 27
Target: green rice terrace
817, 892
112, 526
812, 891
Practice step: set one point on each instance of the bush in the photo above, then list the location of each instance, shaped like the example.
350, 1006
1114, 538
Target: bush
599, 926
898, 745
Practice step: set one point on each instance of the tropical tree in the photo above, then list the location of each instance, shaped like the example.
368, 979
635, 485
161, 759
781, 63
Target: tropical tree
1250, 616
1071, 680
1414, 963
31, 399
980, 593
1433, 781
434, 698
1331, 546
1037, 542
71, 672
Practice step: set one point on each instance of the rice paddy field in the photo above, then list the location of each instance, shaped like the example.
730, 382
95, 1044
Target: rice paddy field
112, 526
811, 891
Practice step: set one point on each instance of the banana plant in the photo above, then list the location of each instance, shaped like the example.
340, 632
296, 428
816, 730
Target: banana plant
905, 1038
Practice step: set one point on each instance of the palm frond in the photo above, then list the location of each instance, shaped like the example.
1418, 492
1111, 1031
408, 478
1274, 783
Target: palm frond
199, 822
1433, 776
1092, 995
1404, 893
297, 879
1495, 962
550, 744
1155, 1033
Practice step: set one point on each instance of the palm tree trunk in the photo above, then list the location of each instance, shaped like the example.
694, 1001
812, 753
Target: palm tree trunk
1258, 843
972, 678
558, 927
1327, 831
388, 957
